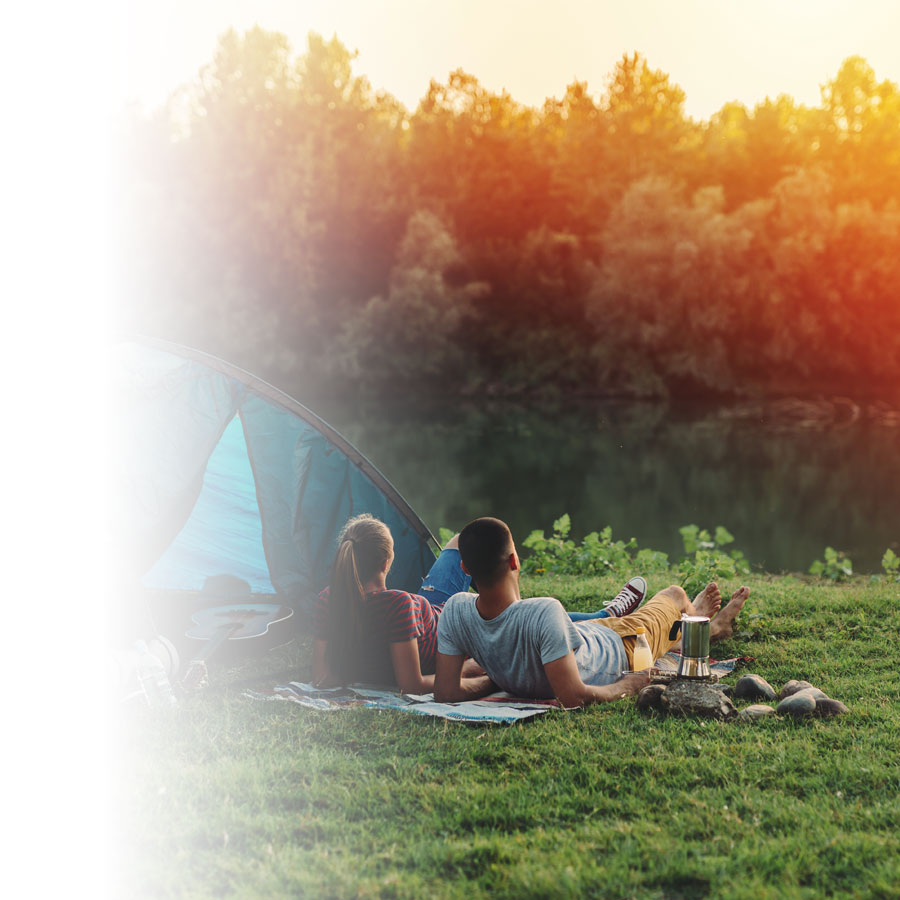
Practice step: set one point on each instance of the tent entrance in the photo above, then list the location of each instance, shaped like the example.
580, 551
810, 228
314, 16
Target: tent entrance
225, 524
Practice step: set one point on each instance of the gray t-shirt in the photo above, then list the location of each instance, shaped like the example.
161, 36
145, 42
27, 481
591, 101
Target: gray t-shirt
513, 647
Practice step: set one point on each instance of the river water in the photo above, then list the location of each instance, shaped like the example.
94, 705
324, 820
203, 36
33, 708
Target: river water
784, 492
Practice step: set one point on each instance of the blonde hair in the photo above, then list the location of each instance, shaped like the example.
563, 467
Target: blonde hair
365, 545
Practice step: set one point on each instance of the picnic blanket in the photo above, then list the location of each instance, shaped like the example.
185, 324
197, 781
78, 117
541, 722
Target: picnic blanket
720, 667
499, 708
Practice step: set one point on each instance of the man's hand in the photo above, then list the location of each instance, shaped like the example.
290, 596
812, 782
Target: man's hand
572, 692
630, 684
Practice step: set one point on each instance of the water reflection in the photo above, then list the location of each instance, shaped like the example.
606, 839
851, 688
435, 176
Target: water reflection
644, 469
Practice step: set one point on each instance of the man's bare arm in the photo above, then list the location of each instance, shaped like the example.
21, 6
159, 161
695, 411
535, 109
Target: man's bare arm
451, 687
572, 692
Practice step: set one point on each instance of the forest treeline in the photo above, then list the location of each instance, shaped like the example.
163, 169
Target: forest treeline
282, 214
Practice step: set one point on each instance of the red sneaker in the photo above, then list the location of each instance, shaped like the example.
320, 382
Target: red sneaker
628, 599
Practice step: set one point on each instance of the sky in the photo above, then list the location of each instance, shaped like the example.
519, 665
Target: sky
716, 50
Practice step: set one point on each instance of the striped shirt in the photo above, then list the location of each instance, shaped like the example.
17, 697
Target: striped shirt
388, 617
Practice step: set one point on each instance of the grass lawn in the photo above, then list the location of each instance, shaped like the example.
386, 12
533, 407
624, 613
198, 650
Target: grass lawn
229, 797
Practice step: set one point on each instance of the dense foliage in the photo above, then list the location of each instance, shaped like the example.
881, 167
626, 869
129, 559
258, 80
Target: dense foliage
281, 213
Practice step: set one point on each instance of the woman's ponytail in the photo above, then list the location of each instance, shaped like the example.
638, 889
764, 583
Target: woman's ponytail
365, 545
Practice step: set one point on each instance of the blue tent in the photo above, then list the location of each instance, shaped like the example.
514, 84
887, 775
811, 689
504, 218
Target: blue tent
218, 472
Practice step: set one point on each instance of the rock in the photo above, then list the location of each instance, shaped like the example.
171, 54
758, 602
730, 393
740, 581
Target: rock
813, 692
792, 687
757, 711
697, 698
752, 687
797, 705
650, 697
726, 689
826, 707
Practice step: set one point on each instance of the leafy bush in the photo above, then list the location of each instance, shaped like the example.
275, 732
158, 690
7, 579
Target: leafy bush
890, 562
647, 561
706, 559
597, 554
836, 566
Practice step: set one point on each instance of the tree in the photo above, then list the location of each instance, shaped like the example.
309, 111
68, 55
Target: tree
834, 311
574, 136
359, 198
747, 153
413, 334
219, 239
675, 292
646, 125
472, 154
860, 138
263, 221
598, 147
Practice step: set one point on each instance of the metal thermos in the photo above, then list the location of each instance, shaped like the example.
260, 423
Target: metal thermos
694, 647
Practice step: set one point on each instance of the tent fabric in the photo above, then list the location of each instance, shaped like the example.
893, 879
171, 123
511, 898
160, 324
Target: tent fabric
218, 472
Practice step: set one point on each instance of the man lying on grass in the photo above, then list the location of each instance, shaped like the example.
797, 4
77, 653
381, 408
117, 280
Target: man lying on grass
530, 647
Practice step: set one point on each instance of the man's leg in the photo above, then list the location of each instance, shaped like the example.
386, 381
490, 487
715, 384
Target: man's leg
625, 602
709, 603
445, 577
586, 617
664, 609
657, 616
721, 626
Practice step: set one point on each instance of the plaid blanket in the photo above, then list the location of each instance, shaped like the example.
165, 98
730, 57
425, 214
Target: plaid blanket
498, 709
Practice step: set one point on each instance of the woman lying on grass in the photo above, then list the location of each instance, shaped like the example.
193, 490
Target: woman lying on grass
366, 632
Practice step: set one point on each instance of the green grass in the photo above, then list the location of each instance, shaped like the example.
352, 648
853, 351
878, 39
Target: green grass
229, 797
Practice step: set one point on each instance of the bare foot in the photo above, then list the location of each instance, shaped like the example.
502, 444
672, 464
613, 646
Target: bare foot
722, 626
708, 601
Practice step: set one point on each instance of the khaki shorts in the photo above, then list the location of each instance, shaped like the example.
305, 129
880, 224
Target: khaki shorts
657, 615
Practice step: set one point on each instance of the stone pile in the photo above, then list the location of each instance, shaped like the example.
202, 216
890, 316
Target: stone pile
707, 699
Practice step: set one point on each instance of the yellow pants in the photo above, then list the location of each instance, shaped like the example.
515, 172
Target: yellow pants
657, 615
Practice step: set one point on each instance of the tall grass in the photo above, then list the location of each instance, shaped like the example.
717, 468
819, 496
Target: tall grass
230, 797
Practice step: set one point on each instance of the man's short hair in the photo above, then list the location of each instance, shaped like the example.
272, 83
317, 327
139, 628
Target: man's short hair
484, 546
